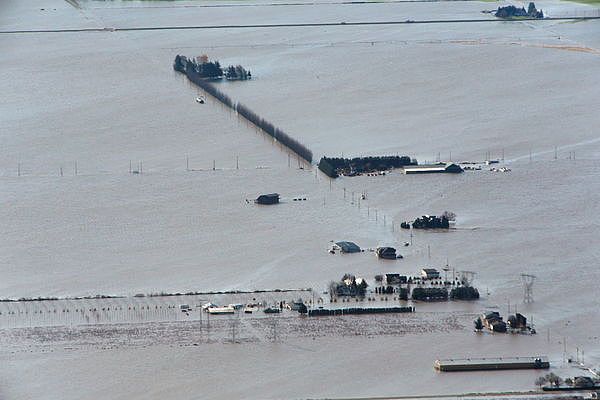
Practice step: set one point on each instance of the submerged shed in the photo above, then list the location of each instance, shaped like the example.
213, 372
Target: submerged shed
388, 253
430, 273
348, 247
271, 198
433, 168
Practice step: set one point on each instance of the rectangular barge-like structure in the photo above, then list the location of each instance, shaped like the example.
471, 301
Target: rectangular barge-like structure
485, 364
319, 312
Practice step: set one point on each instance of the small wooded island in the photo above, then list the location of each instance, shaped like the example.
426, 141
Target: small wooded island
510, 12
211, 70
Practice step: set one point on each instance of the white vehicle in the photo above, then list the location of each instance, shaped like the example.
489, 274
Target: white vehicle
221, 310
200, 99
207, 306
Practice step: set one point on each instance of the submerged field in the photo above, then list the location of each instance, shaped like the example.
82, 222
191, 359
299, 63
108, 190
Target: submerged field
525, 90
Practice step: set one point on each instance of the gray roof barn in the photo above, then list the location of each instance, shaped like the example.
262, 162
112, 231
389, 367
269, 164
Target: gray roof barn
348, 247
271, 198
433, 168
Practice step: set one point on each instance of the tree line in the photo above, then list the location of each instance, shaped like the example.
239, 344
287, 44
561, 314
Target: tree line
334, 167
183, 65
275, 132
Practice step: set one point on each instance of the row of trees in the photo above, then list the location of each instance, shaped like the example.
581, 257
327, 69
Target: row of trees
198, 76
348, 286
237, 73
275, 132
578, 382
334, 167
464, 293
206, 69
208, 87
420, 293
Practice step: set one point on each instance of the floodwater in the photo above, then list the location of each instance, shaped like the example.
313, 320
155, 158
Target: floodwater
97, 102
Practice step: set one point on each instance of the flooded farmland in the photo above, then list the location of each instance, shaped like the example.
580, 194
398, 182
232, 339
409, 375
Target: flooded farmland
85, 106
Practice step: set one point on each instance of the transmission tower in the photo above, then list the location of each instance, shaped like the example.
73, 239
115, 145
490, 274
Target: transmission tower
527, 280
467, 277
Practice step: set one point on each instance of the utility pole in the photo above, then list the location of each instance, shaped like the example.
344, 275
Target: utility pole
187, 163
237, 162
19, 169
75, 168
273, 323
